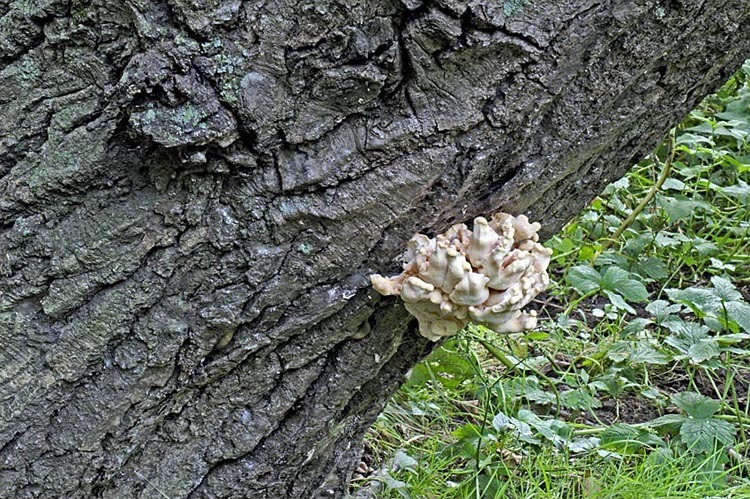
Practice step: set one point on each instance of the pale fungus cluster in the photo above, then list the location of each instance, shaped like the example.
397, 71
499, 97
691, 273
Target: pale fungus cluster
485, 275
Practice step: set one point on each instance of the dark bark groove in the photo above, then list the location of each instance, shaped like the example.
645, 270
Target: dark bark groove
192, 195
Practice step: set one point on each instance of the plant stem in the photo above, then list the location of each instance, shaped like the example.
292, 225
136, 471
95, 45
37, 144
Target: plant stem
665, 171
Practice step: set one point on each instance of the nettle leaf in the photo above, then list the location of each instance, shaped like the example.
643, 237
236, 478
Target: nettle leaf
522, 430
725, 290
696, 405
447, 366
637, 244
583, 444
584, 279
702, 435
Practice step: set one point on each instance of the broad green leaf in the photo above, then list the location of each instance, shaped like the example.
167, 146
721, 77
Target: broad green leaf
626, 438
669, 239
448, 367
645, 353
673, 184
584, 278
652, 267
702, 299
703, 350
725, 290
540, 397
739, 312
579, 399
619, 280
669, 422
403, 461
740, 191
680, 207
702, 435
731, 339
635, 326
613, 277
637, 352
696, 405
555, 431
662, 310
618, 301
583, 444
706, 248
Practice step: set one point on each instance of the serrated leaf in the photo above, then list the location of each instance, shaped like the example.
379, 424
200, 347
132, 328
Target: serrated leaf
626, 438
706, 249
540, 397
583, 444
552, 430
703, 350
662, 309
669, 422
584, 278
739, 312
702, 435
522, 430
703, 299
673, 184
669, 239
394, 484
636, 326
652, 267
613, 276
637, 352
619, 302
725, 290
696, 405
680, 207
740, 191
619, 280
685, 331
403, 461
579, 399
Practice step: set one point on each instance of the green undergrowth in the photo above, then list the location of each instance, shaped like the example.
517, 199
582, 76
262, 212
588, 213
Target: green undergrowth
635, 383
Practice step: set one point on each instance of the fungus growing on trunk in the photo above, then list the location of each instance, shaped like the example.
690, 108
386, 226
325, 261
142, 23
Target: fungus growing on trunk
486, 276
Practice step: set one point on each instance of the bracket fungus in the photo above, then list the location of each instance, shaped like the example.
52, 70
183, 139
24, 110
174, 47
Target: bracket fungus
485, 275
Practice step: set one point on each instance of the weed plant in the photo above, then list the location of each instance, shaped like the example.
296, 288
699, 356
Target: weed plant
635, 385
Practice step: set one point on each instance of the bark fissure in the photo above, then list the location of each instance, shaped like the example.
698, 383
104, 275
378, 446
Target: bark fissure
193, 194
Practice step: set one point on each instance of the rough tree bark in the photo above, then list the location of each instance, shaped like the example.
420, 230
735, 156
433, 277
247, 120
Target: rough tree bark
192, 194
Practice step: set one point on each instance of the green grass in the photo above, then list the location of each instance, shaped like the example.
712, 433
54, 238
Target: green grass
635, 382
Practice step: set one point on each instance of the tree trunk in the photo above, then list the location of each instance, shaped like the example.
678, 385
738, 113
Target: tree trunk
192, 195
